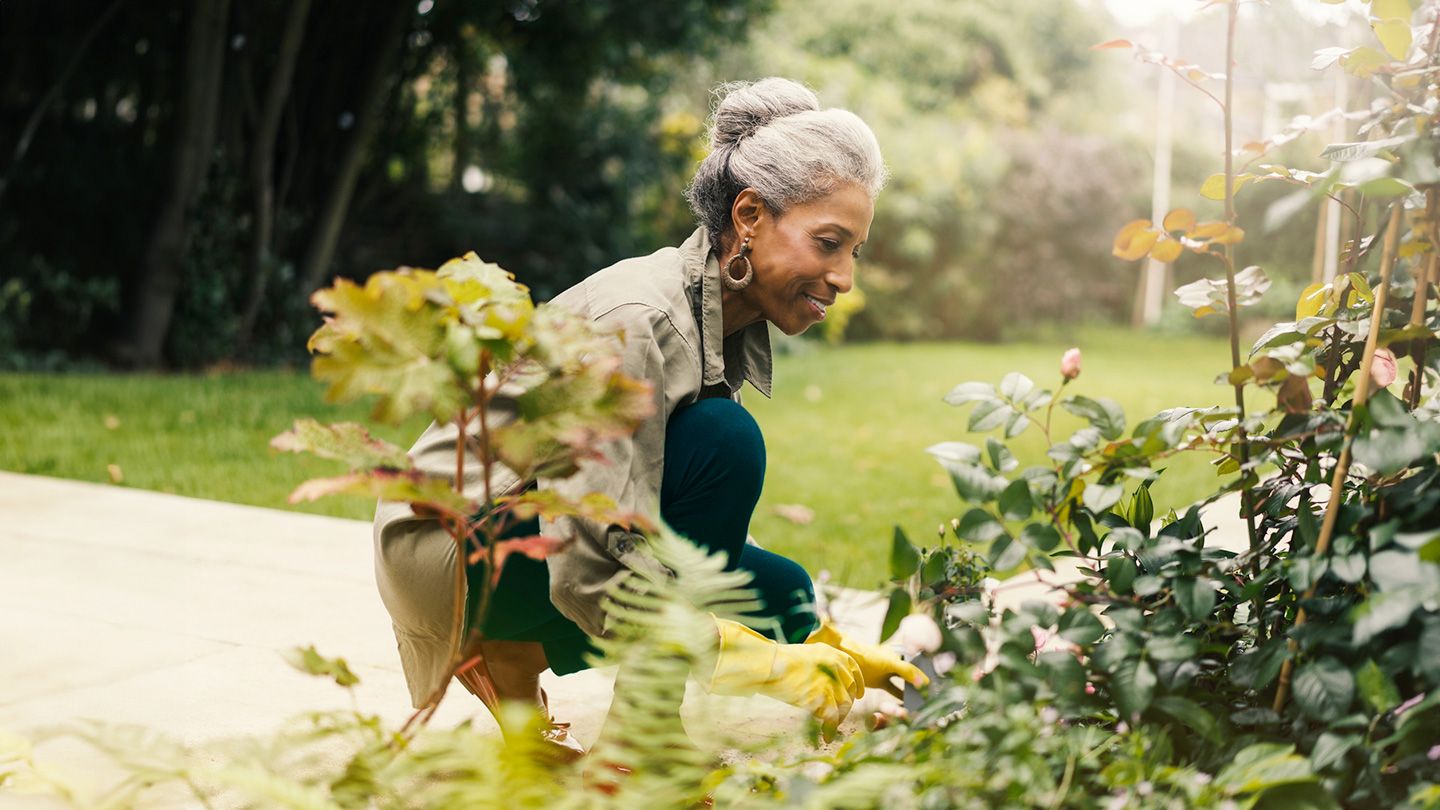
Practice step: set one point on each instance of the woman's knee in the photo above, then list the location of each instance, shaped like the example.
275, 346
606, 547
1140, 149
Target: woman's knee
715, 437
717, 430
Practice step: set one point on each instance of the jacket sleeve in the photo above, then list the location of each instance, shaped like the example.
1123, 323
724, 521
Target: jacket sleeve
600, 556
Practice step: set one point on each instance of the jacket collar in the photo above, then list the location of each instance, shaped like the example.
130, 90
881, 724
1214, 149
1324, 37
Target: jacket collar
748, 351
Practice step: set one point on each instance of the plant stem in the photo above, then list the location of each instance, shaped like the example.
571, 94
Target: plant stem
1426, 271
1241, 440
1342, 466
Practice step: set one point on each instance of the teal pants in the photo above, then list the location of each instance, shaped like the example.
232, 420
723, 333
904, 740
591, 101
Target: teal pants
714, 470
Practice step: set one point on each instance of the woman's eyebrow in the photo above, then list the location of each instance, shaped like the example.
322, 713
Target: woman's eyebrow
841, 228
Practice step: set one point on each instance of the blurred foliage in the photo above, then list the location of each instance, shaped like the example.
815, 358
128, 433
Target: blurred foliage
572, 165
1006, 179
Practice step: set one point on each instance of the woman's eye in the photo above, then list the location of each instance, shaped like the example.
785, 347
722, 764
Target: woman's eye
830, 245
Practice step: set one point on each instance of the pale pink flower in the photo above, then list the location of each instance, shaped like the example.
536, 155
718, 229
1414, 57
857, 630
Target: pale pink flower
1070, 364
918, 633
1383, 370
943, 662
1409, 704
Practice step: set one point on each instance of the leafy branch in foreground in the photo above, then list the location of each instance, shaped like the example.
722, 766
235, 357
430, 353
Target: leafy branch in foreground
455, 344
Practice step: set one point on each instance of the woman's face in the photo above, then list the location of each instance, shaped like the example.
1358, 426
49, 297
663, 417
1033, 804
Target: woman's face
803, 258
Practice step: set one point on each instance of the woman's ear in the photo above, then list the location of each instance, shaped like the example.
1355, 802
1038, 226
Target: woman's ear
747, 212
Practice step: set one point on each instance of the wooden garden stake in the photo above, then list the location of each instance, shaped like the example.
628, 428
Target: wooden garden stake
1342, 465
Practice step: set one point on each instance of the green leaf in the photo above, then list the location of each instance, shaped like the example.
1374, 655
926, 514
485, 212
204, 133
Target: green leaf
1196, 597
407, 486
1132, 685
988, 415
1100, 497
955, 453
1005, 554
1394, 569
999, 456
1016, 386
970, 392
390, 338
1324, 688
976, 484
898, 609
1080, 626
1105, 414
1040, 536
1172, 648
1383, 611
1120, 573
1376, 688
1015, 502
1264, 765
310, 661
1348, 567
347, 442
1330, 749
1427, 652
1384, 187
1016, 424
979, 526
1296, 796
1346, 152
1191, 714
904, 559
1257, 667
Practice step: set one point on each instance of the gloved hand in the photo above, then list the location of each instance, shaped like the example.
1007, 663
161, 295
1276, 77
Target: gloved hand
877, 663
821, 679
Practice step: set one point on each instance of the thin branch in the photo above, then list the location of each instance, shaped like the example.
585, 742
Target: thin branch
1342, 467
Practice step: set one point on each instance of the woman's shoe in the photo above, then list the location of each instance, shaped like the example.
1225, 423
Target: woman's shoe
510, 671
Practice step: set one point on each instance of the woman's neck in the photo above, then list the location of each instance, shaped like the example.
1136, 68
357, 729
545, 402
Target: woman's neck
735, 312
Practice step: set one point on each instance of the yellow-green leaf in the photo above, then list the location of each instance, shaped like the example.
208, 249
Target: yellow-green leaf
1390, 9
1311, 300
1362, 62
1395, 36
1181, 219
1214, 186
1167, 250
1135, 240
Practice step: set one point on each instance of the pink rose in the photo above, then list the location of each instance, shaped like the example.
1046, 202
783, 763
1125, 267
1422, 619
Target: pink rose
1383, 370
1070, 364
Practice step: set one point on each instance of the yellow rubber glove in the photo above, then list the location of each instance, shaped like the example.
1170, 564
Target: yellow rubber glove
877, 663
822, 680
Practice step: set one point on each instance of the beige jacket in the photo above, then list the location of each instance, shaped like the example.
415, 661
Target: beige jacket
667, 306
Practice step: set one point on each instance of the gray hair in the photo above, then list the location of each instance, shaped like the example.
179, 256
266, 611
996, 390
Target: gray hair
773, 136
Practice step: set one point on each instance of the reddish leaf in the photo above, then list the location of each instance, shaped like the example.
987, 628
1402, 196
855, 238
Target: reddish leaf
536, 547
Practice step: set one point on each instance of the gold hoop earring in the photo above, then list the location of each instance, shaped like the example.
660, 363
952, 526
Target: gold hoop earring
731, 282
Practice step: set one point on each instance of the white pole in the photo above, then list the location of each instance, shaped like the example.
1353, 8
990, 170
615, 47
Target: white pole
1331, 209
1154, 286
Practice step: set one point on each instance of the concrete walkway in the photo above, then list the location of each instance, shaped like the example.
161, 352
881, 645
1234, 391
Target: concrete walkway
136, 607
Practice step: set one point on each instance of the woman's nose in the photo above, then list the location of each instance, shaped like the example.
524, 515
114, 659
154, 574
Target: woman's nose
842, 278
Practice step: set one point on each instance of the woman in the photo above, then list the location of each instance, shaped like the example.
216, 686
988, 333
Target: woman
784, 201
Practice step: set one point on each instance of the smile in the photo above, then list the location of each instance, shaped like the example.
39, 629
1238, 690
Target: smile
816, 304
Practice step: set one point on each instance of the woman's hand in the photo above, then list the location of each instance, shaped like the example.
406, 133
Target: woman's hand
877, 663
823, 680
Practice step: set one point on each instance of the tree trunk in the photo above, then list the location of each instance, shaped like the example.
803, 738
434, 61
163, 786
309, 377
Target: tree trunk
367, 123
262, 167
154, 300
463, 81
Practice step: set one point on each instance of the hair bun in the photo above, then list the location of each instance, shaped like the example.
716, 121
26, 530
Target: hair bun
744, 107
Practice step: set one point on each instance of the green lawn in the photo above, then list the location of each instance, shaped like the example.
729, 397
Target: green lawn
846, 432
